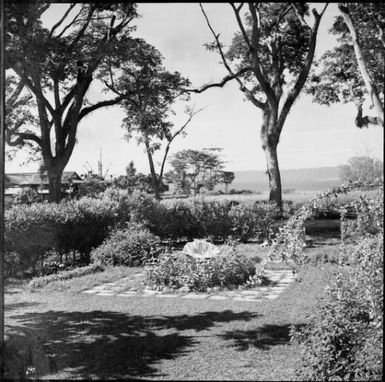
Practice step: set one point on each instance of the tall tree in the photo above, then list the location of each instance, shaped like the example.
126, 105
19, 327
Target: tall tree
58, 65
194, 169
354, 69
270, 58
148, 110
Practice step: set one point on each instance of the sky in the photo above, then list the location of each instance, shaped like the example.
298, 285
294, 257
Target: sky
313, 135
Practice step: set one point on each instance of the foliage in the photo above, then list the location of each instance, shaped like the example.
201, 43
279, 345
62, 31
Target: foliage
27, 195
93, 184
32, 230
131, 246
370, 218
90, 42
12, 264
134, 181
226, 270
337, 77
362, 169
194, 169
344, 337
153, 90
40, 282
290, 242
254, 221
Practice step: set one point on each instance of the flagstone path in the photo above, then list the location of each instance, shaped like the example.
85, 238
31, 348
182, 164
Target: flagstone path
278, 282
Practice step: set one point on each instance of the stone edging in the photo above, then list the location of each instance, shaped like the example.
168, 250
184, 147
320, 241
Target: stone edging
279, 281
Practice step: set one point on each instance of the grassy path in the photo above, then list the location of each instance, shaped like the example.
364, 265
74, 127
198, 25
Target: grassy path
70, 335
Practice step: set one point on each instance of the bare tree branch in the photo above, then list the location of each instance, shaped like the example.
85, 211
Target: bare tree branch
15, 95
21, 137
99, 105
61, 20
71, 23
299, 15
179, 131
225, 80
241, 27
232, 75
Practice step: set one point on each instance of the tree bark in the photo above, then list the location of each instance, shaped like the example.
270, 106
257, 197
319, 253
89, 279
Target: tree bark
275, 187
55, 184
154, 178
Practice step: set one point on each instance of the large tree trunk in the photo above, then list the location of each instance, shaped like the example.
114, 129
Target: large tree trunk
55, 185
154, 178
275, 187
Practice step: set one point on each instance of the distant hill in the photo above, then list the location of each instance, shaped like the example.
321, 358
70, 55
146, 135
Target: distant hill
305, 179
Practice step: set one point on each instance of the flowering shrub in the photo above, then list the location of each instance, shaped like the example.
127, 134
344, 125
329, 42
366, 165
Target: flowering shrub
226, 270
131, 246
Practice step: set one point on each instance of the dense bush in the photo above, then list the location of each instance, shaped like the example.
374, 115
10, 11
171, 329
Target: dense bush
40, 282
179, 270
369, 209
83, 224
79, 225
217, 220
131, 246
344, 339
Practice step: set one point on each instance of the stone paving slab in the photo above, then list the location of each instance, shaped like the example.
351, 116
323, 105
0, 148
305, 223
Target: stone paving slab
217, 297
279, 280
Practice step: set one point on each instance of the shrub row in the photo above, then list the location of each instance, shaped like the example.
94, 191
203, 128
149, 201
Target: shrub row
81, 225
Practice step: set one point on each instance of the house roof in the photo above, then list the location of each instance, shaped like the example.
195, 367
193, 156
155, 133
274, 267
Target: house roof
34, 179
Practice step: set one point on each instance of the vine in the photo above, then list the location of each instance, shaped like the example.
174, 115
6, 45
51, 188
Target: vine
290, 242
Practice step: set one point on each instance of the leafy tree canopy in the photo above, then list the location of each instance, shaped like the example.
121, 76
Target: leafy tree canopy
194, 169
336, 76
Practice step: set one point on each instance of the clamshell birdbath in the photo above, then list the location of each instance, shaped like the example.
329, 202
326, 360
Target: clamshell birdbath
201, 249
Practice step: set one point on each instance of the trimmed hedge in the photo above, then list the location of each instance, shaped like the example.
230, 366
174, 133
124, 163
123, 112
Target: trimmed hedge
31, 231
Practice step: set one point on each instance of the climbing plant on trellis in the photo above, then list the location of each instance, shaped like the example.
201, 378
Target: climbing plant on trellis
290, 242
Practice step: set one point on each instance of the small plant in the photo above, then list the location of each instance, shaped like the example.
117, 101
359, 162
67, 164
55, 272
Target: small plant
227, 270
131, 246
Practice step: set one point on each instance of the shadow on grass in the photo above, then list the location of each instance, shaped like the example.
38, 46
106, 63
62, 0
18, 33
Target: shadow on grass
262, 338
102, 345
19, 305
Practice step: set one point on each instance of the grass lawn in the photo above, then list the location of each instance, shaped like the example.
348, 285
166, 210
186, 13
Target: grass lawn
63, 334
